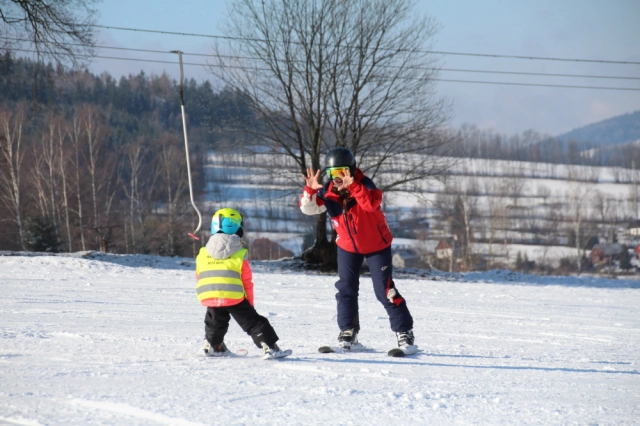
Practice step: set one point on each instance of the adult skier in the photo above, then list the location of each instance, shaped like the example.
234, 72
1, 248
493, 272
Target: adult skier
225, 287
353, 203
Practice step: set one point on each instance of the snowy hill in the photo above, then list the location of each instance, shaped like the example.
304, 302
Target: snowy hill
90, 338
612, 131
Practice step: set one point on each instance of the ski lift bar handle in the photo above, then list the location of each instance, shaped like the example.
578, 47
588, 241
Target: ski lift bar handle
186, 147
181, 74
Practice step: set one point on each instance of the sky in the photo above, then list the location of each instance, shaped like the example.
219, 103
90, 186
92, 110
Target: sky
576, 30
115, 340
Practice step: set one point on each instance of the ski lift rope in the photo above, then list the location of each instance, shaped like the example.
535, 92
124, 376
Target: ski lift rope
186, 148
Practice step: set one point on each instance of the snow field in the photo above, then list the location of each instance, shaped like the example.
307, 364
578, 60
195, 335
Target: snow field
115, 340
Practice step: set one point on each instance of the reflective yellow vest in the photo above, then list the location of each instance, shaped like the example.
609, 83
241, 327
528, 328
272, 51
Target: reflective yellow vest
220, 278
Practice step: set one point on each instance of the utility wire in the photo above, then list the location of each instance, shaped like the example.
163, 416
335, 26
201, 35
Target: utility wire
433, 79
204, 55
488, 55
504, 83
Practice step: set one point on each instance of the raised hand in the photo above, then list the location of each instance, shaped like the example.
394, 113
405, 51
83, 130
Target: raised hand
344, 181
311, 179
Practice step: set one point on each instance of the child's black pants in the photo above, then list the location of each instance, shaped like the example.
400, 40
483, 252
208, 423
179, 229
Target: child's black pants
258, 327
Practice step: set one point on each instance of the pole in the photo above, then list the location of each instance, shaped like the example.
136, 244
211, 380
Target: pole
186, 148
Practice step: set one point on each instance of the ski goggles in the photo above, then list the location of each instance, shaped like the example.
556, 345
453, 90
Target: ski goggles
337, 172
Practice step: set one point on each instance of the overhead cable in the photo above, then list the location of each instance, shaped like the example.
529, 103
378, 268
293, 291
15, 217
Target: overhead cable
432, 79
488, 55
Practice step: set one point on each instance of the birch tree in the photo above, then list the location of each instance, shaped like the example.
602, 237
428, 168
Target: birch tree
577, 205
172, 168
64, 135
12, 151
76, 132
135, 153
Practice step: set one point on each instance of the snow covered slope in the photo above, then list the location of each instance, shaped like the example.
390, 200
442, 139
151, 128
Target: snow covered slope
102, 339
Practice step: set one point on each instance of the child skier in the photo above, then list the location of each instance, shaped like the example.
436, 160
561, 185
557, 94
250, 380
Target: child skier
353, 203
225, 287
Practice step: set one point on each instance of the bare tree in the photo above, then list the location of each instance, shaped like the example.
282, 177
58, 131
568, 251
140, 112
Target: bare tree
323, 73
63, 135
578, 204
104, 172
76, 131
135, 154
51, 155
37, 179
634, 193
43, 174
492, 215
95, 146
543, 192
515, 187
172, 168
58, 30
603, 205
465, 209
11, 126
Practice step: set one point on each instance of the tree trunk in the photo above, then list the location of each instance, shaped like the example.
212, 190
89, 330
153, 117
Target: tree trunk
323, 254
76, 143
65, 198
13, 154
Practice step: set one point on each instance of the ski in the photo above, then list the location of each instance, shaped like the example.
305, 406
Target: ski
278, 355
396, 353
399, 352
229, 354
339, 350
326, 350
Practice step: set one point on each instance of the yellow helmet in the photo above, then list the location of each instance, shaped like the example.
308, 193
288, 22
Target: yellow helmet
228, 221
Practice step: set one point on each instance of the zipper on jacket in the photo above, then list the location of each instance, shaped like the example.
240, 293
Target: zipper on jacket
355, 231
346, 224
382, 235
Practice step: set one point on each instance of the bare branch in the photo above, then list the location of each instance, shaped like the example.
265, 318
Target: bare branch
58, 30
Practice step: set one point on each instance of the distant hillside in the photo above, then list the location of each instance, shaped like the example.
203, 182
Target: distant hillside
613, 131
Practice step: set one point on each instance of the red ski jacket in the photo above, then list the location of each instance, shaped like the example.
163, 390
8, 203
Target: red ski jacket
356, 216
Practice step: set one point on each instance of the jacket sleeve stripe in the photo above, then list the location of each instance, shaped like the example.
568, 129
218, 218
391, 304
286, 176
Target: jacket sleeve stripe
310, 204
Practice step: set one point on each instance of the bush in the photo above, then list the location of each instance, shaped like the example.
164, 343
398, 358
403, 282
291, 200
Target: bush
42, 235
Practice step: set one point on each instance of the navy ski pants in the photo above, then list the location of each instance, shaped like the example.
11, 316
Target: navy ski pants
349, 266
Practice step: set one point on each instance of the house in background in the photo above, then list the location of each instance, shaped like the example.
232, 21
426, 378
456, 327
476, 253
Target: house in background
605, 253
634, 228
445, 248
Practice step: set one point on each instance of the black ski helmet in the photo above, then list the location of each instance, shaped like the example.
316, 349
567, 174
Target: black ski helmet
340, 156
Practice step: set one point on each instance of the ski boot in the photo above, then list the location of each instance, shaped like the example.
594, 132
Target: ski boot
273, 351
348, 339
217, 350
406, 342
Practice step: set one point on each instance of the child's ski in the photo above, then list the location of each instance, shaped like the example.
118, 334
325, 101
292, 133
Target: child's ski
227, 354
339, 350
276, 355
402, 352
